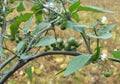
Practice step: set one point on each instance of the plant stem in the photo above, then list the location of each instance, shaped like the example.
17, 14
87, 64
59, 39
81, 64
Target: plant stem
23, 62
63, 5
87, 44
34, 38
7, 61
114, 59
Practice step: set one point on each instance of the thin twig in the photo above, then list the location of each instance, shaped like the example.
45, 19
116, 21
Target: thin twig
114, 59
37, 50
23, 62
87, 44
63, 5
42, 4
34, 38
10, 51
7, 61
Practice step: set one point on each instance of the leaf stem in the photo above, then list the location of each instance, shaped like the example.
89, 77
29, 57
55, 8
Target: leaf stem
87, 44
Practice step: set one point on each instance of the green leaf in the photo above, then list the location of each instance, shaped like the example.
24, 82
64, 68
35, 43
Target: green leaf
2, 54
29, 72
20, 6
45, 41
93, 9
27, 26
116, 54
77, 63
103, 36
62, 70
74, 6
15, 25
108, 28
25, 56
75, 26
40, 27
21, 45
75, 16
12, 1
38, 17
37, 10
96, 55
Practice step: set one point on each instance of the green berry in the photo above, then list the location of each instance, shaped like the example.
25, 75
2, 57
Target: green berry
59, 41
63, 27
72, 41
107, 74
73, 49
53, 45
67, 47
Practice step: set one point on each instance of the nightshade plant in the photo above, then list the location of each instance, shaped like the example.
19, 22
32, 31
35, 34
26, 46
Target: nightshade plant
49, 15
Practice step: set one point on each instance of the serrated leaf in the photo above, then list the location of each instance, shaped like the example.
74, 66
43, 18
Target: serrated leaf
21, 45
40, 27
116, 54
74, 6
77, 63
15, 25
75, 26
108, 28
29, 72
27, 26
45, 41
93, 9
20, 6
103, 36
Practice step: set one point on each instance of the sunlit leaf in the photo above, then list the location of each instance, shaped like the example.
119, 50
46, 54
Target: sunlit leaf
96, 55
15, 25
77, 63
47, 40
76, 17
29, 72
12, 1
116, 54
37, 71
74, 6
20, 6
37, 10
